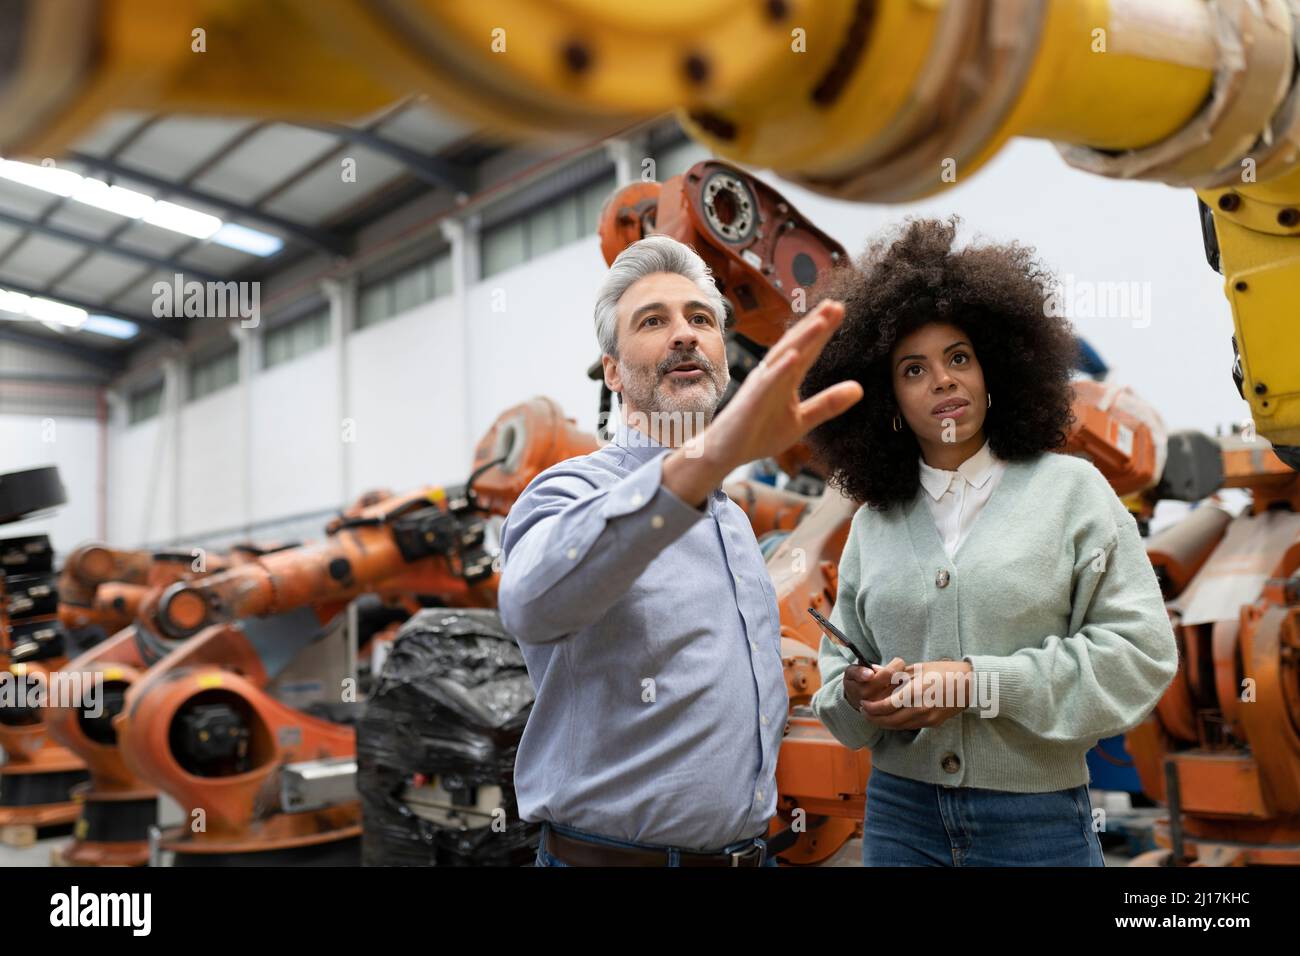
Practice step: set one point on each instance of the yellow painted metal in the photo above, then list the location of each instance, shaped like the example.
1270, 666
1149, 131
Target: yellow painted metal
572, 65
1106, 90
1081, 90
1261, 272
780, 126
260, 59
1110, 99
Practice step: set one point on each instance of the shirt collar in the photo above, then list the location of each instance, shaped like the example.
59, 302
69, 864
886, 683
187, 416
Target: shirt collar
643, 448
976, 470
636, 442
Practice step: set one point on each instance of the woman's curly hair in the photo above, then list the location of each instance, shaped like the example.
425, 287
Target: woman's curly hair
996, 295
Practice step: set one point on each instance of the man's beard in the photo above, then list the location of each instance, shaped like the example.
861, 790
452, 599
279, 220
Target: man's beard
647, 389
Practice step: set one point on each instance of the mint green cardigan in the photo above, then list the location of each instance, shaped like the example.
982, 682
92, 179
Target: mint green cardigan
1052, 600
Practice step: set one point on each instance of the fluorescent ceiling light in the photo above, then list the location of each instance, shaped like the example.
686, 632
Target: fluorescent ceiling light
57, 315
61, 182
191, 222
114, 328
248, 240
14, 302
137, 205
124, 202
47, 310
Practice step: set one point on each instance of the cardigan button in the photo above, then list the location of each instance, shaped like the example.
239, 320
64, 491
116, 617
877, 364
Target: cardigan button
941, 578
951, 763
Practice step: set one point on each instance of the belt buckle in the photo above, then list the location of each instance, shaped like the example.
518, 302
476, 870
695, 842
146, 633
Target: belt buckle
753, 851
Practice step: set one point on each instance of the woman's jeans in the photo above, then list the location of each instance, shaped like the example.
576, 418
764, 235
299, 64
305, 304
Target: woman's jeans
909, 823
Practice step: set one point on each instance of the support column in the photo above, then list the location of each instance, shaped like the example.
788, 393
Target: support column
249, 341
463, 234
627, 154
174, 367
342, 297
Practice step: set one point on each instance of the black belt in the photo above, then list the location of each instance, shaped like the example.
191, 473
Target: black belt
577, 852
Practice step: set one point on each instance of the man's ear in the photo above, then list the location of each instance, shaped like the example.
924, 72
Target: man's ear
613, 380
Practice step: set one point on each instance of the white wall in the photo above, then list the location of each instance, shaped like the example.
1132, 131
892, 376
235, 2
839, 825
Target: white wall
423, 387
407, 399
71, 444
295, 438
140, 489
544, 340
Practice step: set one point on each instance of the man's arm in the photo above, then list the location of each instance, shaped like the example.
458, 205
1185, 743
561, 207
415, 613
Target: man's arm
570, 549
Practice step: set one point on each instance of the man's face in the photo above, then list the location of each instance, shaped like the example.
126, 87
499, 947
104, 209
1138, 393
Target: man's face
671, 353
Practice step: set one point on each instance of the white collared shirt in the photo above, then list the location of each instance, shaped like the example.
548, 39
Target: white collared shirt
956, 497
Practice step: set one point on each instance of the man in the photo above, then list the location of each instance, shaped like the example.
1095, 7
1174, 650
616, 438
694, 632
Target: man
638, 593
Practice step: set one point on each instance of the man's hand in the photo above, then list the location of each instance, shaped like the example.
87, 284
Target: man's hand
766, 416
903, 707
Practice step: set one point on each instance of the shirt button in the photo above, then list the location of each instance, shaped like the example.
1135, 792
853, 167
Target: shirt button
763, 720
572, 554
759, 793
657, 521
951, 763
941, 578
753, 646
637, 499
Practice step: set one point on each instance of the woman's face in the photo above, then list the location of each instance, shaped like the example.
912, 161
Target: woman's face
939, 386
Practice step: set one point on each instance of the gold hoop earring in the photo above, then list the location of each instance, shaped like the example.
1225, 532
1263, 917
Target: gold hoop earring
898, 424
990, 397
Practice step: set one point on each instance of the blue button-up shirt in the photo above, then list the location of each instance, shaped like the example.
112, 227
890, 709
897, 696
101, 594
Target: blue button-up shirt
651, 632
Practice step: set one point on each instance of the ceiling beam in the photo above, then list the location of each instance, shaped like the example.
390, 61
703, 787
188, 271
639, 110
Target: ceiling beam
321, 239
54, 378
158, 262
85, 353
432, 169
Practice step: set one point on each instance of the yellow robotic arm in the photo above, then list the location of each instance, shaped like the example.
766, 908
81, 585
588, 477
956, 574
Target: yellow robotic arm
872, 100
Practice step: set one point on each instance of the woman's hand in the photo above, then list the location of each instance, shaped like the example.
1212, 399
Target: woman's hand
870, 683
948, 685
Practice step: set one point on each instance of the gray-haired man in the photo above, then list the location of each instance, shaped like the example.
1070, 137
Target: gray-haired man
638, 593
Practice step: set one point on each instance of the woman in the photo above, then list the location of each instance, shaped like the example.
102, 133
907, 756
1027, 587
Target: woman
1004, 583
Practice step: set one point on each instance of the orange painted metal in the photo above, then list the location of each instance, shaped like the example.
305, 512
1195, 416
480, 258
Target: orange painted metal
1119, 443
28, 749
768, 508
361, 555
240, 812
119, 664
1229, 727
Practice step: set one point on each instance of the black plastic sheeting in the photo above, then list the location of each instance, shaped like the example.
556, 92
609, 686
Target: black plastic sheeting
452, 701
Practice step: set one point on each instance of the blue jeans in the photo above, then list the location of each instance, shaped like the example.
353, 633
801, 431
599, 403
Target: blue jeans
909, 823
546, 859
